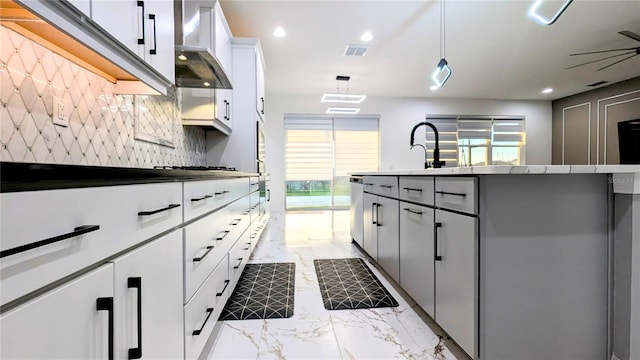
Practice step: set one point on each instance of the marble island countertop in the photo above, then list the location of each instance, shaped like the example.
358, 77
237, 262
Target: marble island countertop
625, 178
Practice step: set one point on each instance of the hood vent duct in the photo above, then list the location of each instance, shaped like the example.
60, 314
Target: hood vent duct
196, 65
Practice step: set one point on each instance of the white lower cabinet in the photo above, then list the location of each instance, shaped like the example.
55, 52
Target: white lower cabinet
455, 273
204, 308
370, 238
64, 323
388, 236
148, 300
417, 272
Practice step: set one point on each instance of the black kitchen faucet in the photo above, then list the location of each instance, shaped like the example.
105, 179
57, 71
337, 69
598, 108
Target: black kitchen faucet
436, 152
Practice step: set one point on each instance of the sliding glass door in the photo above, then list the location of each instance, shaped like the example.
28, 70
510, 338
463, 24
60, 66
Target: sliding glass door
321, 152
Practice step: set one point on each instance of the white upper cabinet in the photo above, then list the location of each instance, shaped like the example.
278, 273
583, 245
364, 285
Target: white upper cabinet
145, 27
211, 107
260, 87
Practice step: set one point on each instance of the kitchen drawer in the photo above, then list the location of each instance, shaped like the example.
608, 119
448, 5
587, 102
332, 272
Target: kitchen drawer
115, 218
418, 189
201, 197
240, 218
63, 323
254, 184
381, 185
238, 257
457, 193
206, 242
254, 202
203, 310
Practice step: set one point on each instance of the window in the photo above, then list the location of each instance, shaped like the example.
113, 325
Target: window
478, 140
321, 152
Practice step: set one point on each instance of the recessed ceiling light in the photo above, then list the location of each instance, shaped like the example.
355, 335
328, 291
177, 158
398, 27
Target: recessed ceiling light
367, 36
279, 32
434, 87
342, 110
547, 91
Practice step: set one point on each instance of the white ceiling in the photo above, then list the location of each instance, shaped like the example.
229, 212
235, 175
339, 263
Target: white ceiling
493, 48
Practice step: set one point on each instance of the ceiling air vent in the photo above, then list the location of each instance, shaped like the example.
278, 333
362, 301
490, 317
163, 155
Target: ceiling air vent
355, 50
597, 83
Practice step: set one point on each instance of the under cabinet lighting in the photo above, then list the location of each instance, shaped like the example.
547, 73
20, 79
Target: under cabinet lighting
442, 73
343, 98
533, 12
206, 83
342, 110
182, 57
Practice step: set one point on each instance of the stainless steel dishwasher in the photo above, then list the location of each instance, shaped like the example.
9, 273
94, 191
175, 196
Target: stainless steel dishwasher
355, 209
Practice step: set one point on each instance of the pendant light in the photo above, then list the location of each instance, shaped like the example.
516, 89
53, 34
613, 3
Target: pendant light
442, 72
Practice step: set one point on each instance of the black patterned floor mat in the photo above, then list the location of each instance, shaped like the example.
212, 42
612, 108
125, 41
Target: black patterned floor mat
264, 291
350, 284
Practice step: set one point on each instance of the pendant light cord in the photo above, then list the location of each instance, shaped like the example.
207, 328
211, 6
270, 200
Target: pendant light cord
442, 30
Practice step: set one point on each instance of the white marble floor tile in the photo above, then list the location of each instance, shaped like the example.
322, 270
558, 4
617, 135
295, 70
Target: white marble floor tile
290, 339
425, 338
308, 306
238, 340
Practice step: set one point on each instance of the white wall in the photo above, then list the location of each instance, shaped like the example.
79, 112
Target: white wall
397, 118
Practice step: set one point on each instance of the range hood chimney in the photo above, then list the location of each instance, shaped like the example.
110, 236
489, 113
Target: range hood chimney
196, 66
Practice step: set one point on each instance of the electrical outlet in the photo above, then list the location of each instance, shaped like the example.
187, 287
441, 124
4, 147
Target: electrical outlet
60, 111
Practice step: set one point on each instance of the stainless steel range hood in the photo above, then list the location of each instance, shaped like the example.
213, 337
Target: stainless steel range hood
196, 65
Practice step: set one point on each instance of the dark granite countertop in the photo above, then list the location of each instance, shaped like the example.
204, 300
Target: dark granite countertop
15, 177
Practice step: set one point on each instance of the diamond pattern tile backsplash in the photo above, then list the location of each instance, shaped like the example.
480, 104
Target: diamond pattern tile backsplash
101, 127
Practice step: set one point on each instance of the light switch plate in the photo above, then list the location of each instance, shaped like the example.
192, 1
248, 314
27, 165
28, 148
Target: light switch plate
61, 111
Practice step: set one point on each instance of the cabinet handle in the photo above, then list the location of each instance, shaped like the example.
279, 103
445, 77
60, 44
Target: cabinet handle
76, 232
235, 222
201, 198
199, 331
226, 110
435, 243
451, 193
153, 51
378, 206
226, 283
237, 266
412, 189
106, 304
141, 40
369, 184
221, 192
224, 234
386, 186
262, 100
413, 211
200, 258
254, 184
136, 283
151, 212
268, 194
373, 213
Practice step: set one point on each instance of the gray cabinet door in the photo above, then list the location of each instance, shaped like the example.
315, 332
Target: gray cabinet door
388, 236
417, 275
455, 277
370, 228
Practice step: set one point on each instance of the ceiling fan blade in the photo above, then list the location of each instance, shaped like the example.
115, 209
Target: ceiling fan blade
619, 61
602, 51
630, 34
605, 58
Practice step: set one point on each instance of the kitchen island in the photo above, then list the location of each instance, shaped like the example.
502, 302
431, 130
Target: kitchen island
515, 262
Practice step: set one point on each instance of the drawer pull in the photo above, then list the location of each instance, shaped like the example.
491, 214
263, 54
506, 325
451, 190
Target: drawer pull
136, 283
209, 248
247, 248
224, 234
412, 189
221, 192
151, 212
199, 331
235, 222
413, 211
76, 232
106, 304
246, 212
435, 243
451, 193
386, 186
254, 184
226, 283
237, 266
369, 184
201, 198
